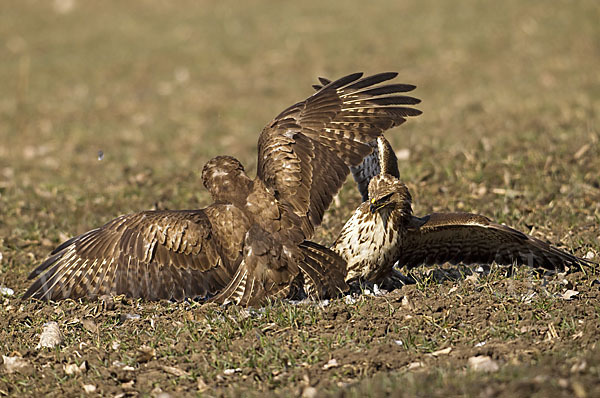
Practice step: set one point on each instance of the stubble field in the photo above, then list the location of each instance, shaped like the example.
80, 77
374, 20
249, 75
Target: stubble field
511, 100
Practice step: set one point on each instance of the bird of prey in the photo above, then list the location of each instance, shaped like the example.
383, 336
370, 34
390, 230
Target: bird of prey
252, 243
383, 231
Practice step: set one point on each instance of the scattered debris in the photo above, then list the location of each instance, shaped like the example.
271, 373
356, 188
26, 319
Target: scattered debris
15, 364
73, 369
51, 336
145, 354
579, 367
415, 365
175, 371
125, 317
444, 351
201, 384
480, 344
228, 372
6, 291
89, 388
333, 363
552, 333
528, 298
89, 325
588, 256
569, 294
483, 363
399, 342
406, 302
309, 392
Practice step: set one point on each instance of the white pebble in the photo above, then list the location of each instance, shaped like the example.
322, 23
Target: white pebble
6, 291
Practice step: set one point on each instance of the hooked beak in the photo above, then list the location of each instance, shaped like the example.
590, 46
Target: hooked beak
374, 206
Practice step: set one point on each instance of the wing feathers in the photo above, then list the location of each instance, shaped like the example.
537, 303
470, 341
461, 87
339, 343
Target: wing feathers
328, 132
471, 238
150, 255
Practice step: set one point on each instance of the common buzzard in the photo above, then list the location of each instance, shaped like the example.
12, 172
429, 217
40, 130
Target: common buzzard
383, 231
252, 242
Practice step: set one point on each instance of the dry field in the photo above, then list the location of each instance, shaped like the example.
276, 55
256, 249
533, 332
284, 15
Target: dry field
510, 129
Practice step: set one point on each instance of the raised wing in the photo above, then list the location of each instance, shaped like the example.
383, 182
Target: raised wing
151, 255
305, 152
471, 238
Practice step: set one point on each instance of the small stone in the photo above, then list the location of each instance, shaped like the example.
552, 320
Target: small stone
569, 294
444, 351
145, 354
15, 364
564, 383
89, 388
483, 363
73, 369
51, 336
579, 367
6, 291
229, 372
89, 325
175, 371
333, 363
309, 392
201, 384
415, 365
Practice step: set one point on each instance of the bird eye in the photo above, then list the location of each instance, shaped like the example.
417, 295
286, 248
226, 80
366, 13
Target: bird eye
384, 199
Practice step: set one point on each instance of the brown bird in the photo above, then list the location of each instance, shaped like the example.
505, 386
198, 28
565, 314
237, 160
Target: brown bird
252, 242
383, 231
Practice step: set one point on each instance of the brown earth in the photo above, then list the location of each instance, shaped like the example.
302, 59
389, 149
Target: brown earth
510, 96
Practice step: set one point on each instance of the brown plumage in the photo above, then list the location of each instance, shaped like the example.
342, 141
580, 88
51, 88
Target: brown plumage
383, 231
252, 242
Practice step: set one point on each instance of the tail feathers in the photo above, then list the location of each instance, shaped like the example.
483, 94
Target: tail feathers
324, 271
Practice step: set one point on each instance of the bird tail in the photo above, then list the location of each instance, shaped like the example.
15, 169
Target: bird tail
324, 271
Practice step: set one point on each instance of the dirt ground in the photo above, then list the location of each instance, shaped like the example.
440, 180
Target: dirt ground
114, 107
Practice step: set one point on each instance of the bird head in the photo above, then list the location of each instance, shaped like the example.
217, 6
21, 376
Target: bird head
388, 192
224, 177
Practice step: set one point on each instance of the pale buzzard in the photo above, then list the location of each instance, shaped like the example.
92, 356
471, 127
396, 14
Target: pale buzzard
383, 231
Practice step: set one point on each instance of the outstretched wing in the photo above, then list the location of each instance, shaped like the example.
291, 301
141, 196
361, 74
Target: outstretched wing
471, 238
151, 255
305, 152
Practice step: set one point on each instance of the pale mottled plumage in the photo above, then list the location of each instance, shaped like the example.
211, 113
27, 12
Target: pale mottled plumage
383, 231
252, 242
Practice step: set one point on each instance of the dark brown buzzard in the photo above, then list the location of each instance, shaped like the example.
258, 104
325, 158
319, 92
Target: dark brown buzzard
252, 242
383, 232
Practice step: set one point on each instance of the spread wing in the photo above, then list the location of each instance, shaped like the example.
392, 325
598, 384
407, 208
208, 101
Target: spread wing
152, 255
305, 152
471, 238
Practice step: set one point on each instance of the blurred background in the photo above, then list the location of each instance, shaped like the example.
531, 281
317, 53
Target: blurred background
111, 107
